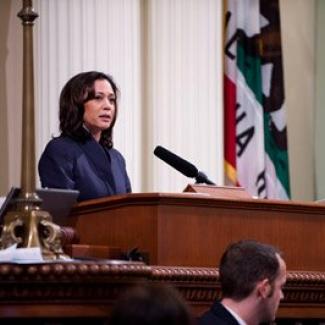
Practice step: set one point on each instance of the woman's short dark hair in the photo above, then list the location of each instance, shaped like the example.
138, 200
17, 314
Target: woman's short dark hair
78, 90
245, 263
151, 304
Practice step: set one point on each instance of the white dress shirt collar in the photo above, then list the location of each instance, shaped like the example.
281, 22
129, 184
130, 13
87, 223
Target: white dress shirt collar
236, 316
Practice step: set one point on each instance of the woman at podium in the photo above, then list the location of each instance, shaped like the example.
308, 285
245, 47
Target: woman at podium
83, 157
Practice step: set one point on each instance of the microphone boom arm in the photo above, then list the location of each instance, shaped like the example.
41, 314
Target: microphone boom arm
202, 178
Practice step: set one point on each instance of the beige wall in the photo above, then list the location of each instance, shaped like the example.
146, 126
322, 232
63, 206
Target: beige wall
298, 30
10, 94
4, 22
320, 102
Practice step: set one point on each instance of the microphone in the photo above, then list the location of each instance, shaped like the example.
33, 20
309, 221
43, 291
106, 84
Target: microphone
182, 165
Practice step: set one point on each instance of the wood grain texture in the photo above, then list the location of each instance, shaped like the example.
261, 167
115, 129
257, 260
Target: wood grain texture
193, 229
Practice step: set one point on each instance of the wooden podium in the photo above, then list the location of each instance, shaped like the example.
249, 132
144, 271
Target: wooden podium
184, 236
193, 229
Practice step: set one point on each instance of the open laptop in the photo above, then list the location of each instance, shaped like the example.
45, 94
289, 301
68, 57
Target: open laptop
58, 202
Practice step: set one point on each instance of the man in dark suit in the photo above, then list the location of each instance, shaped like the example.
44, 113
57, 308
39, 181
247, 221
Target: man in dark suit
252, 275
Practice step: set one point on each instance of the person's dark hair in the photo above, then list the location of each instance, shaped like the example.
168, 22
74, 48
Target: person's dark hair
150, 305
76, 92
245, 263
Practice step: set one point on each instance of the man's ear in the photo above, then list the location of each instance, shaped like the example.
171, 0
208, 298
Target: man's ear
263, 288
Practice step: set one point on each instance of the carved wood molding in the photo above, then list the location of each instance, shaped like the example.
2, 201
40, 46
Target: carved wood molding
103, 281
72, 271
68, 283
304, 277
201, 285
305, 288
198, 285
193, 274
212, 274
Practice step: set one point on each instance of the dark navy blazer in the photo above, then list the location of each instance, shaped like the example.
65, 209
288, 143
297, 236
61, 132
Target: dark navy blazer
217, 315
85, 166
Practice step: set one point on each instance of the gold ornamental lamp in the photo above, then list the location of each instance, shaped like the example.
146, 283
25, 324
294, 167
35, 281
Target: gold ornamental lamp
26, 224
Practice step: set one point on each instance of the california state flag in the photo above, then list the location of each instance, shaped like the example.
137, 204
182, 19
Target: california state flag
256, 155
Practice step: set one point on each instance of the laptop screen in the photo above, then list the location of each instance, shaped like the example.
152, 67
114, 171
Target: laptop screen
58, 202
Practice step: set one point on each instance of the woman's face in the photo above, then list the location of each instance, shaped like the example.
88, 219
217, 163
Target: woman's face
99, 112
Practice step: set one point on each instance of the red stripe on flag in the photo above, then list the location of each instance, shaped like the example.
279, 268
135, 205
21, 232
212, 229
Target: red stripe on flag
230, 122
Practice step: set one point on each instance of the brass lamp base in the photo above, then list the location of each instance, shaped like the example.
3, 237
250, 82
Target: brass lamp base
30, 229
